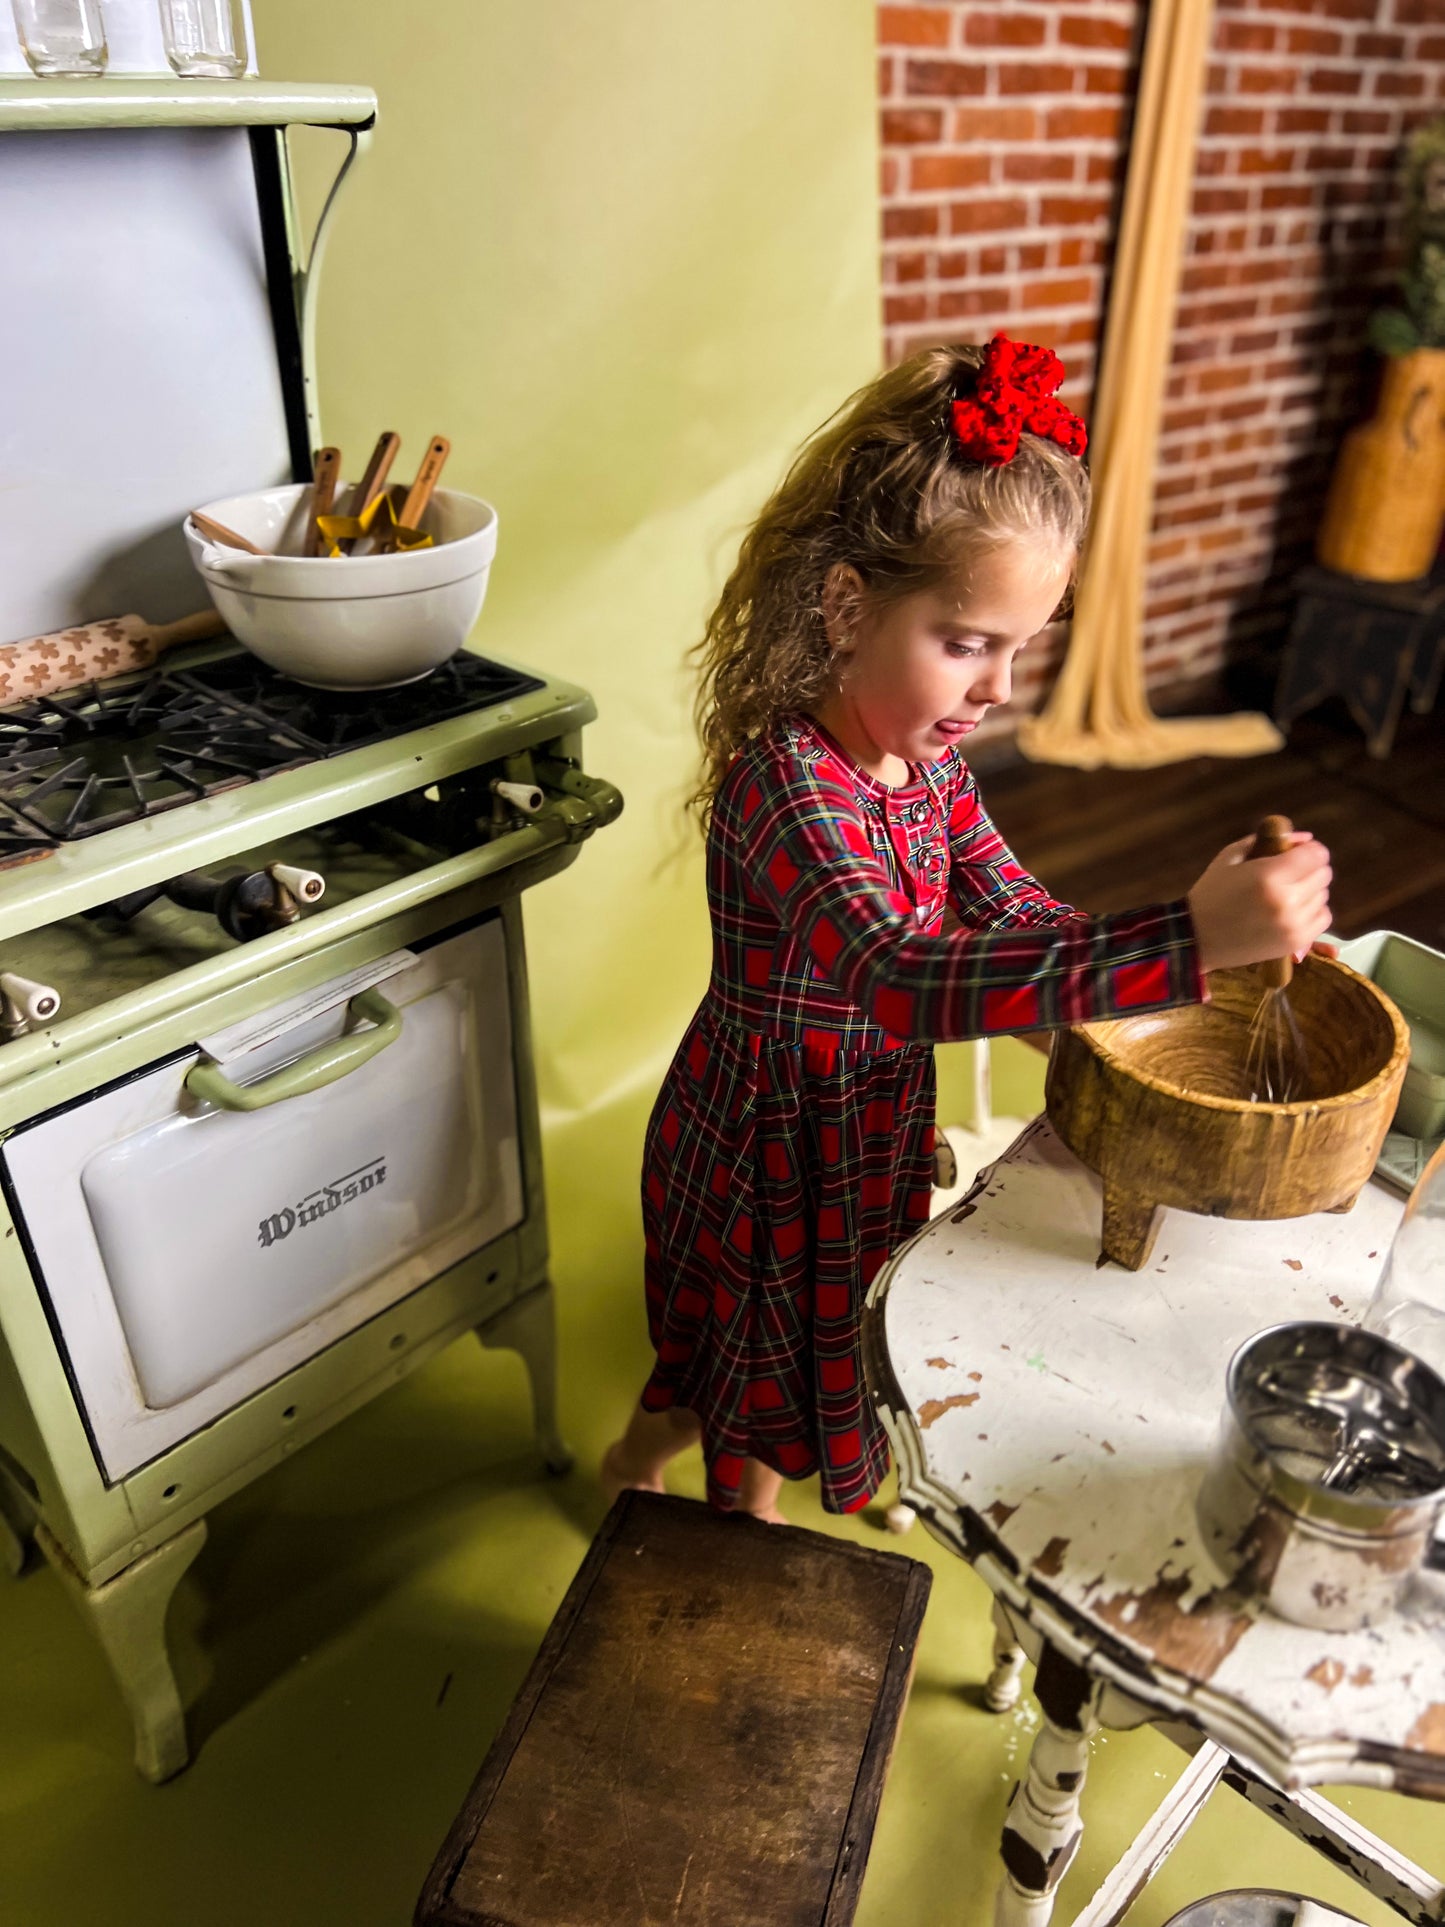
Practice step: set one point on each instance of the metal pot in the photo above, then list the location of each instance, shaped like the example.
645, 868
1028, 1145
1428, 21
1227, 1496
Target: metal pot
1327, 1483
1259, 1907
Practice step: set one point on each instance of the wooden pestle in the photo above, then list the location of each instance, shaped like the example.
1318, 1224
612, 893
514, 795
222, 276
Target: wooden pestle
1272, 838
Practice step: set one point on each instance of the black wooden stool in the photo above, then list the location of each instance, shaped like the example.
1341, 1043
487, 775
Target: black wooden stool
702, 1738
1373, 643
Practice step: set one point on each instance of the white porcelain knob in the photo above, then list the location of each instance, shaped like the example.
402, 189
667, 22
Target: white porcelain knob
526, 797
305, 885
36, 1003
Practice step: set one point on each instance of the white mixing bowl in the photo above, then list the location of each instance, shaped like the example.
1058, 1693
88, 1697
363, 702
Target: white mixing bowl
347, 622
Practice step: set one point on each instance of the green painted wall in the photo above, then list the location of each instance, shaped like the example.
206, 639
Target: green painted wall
625, 256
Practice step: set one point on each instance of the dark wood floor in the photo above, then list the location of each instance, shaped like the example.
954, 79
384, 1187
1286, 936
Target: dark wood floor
1109, 839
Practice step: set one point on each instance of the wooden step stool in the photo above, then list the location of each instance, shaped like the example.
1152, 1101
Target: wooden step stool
702, 1739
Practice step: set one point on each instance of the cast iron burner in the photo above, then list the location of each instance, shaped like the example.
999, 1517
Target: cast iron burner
21, 842
93, 758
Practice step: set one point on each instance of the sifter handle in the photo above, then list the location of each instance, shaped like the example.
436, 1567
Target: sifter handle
1272, 838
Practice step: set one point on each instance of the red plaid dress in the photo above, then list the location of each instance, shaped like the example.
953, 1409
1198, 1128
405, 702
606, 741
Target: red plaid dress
791, 1147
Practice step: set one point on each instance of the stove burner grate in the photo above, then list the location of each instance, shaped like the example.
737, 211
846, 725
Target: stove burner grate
21, 841
91, 759
336, 720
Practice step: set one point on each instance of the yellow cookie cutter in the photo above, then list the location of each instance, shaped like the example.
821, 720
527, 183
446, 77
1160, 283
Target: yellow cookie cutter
336, 529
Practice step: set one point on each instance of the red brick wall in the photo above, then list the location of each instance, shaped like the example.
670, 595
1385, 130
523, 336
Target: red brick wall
1004, 130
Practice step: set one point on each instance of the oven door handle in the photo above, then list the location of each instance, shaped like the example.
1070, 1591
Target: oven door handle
209, 1082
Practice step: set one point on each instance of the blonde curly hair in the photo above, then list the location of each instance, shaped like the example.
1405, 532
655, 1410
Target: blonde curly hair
882, 487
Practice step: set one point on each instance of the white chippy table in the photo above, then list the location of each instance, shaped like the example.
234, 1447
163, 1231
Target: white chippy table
1051, 1416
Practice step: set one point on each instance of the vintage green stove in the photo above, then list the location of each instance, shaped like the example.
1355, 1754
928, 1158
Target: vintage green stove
268, 1120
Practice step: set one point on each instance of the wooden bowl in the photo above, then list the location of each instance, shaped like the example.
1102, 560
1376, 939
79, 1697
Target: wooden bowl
1160, 1107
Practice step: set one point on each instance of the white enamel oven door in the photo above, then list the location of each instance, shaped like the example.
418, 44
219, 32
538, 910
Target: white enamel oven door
192, 1254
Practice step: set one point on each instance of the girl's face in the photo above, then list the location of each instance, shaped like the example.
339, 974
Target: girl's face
917, 675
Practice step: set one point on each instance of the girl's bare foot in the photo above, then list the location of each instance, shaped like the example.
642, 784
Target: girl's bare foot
770, 1517
636, 1460
620, 1475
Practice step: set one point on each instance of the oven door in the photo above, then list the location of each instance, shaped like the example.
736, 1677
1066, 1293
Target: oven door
203, 1227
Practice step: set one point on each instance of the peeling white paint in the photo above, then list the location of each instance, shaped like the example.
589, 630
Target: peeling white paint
1102, 1394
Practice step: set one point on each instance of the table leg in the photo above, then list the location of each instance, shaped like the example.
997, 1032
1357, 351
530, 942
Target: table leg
1428, 675
1363, 1855
1042, 1832
1003, 1688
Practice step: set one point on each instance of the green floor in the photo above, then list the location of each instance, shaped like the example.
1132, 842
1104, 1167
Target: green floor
368, 1611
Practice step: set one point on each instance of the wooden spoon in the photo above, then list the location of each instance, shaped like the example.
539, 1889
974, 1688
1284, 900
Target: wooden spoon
420, 493
377, 470
215, 531
326, 474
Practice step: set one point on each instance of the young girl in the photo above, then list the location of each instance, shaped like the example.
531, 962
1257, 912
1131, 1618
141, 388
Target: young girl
920, 540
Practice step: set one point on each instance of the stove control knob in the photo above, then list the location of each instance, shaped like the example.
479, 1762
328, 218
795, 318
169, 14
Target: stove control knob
31, 1003
305, 885
526, 797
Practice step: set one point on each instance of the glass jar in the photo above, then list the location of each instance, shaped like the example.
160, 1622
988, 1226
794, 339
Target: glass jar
1409, 1301
205, 39
61, 36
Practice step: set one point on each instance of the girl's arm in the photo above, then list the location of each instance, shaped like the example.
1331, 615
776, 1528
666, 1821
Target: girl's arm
987, 885
803, 846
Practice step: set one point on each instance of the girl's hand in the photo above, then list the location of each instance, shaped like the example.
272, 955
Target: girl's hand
1272, 906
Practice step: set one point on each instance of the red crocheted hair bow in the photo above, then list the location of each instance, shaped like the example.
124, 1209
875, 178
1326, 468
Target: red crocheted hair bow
1014, 392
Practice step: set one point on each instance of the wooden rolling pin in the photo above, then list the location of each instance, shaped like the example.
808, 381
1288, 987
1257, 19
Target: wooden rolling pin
41, 665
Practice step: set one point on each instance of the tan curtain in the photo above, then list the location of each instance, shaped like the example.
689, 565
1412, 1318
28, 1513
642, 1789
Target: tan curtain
1098, 712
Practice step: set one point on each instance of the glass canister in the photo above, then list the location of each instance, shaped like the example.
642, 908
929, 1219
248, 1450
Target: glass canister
61, 36
205, 39
1409, 1301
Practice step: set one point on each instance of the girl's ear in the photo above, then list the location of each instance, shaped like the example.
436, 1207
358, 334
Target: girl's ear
843, 591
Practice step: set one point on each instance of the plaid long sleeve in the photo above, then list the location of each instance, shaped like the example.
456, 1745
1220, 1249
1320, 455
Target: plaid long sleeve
842, 929
987, 885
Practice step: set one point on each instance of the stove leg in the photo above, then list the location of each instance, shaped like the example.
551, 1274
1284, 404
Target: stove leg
1042, 1832
17, 1527
528, 1326
128, 1616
